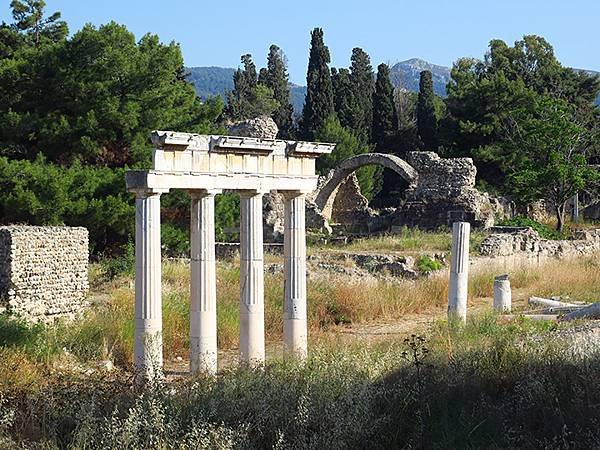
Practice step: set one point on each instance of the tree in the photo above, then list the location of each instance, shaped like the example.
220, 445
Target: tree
483, 94
348, 145
343, 96
554, 154
276, 79
385, 117
318, 105
30, 21
249, 99
361, 76
426, 118
96, 96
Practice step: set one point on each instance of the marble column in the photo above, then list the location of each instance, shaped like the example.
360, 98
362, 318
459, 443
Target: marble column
252, 311
148, 307
295, 332
502, 294
203, 295
459, 272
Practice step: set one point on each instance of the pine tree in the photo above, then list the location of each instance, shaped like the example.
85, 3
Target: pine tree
318, 105
343, 96
361, 76
276, 78
385, 117
426, 118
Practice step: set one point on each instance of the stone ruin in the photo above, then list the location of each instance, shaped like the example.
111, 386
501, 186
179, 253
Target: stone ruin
43, 271
445, 193
440, 191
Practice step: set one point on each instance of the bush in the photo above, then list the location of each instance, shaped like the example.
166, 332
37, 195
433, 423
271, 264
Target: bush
543, 230
426, 264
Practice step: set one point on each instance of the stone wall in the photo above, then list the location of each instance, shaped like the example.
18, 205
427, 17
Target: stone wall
445, 193
43, 271
528, 243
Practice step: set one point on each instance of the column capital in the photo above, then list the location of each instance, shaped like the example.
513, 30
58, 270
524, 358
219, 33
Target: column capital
293, 193
147, 192
199, 193
247, 193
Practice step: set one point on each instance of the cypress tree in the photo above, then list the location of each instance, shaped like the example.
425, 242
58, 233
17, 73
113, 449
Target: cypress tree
343, 96
276, 78
361, 76
318, 105
426, 119
385, 117
244, 81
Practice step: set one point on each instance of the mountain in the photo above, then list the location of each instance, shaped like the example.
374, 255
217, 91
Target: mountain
406, 74
210, 81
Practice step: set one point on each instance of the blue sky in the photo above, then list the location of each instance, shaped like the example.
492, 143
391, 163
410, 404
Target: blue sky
217, 32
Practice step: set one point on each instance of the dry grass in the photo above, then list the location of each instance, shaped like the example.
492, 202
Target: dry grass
409, 240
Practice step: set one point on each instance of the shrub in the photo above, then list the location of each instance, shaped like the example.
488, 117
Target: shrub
426, 264
543, 230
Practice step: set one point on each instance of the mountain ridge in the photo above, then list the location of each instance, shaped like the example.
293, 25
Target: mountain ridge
214, 80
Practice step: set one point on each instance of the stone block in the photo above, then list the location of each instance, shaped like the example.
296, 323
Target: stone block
43, 271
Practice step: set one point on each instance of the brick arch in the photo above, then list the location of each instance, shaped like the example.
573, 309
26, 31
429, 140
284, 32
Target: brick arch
328, 191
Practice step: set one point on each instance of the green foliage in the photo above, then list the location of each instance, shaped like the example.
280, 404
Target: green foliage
363, 84
96, 96
248, 98
427, 125
554, 154
41, 193
33, 26
276, 79
318, 105
426, 264
483, 97
343, 96
348, 145
543, 230
385, 117
122, 264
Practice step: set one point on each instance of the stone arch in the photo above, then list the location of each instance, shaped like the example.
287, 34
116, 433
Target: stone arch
328, 191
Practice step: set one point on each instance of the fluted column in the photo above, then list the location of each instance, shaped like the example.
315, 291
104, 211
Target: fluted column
295, 332
148, 357
252, 312
203, 296
459, 272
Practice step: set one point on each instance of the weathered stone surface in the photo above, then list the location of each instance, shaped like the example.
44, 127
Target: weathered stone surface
43, 271
444, 194
528, 242
273, 217
259, 127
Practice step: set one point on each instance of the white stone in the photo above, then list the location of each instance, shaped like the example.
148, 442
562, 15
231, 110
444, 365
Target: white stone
502, 294
203, 298
295, 328
148, 312
459, 272
252, 327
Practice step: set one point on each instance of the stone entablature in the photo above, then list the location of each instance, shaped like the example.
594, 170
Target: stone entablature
43, 271
193, 161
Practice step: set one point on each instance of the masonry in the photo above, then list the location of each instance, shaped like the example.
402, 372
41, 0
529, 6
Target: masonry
43, 271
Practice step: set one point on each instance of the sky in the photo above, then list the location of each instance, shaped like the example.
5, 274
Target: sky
216, 33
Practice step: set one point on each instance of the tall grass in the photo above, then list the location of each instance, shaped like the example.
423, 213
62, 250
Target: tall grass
486, 385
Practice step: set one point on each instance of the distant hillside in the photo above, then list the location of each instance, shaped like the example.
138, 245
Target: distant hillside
210, 81
407, 73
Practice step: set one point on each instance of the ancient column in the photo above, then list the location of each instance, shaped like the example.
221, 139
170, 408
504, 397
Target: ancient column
295, 333
576, 208
148, 312
502, 294
203, 298
252, 325
459, 272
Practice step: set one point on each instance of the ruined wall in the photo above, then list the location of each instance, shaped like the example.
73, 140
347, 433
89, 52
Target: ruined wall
43, 271
528, 243
445, 193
